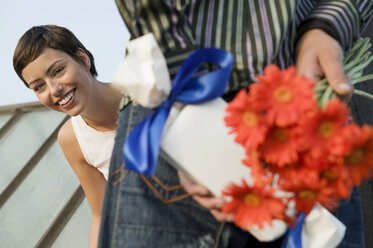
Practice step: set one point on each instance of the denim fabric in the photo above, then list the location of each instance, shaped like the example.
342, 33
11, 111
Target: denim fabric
156, 212
350, 213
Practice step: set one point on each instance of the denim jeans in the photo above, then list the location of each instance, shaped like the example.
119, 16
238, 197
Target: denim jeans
142, 211
350, 214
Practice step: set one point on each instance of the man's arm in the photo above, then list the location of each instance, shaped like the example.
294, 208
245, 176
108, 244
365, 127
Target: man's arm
342, 19
167, 20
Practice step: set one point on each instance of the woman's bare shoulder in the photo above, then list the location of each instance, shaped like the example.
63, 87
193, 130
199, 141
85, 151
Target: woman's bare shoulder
66, 133
69, 144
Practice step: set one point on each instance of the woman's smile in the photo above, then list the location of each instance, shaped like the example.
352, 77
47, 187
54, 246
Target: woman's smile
67, 100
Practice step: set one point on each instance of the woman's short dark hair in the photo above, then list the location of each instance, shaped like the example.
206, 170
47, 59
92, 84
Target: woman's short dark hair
36, 39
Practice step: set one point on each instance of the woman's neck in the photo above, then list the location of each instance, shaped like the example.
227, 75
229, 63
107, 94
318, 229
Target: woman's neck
102, 109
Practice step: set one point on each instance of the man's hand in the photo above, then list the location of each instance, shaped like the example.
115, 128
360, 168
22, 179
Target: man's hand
204, 197
319, 55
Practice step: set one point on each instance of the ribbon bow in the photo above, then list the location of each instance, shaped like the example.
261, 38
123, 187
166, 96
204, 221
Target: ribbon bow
141, 148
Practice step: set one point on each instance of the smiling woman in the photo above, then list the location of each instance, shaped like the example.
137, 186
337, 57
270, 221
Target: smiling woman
105, 36
57, 79
53, 63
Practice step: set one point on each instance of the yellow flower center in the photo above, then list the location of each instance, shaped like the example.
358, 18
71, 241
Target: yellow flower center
283, 94
328, 175
355, 156
280, 134
307, 194
252, 200
326, 129
250, 118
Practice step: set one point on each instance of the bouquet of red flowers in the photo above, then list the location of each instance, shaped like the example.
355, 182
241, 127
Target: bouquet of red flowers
301, 144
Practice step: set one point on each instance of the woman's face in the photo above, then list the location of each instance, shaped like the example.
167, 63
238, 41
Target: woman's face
60, 82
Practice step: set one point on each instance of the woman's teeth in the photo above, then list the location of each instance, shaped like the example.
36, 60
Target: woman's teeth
66, 99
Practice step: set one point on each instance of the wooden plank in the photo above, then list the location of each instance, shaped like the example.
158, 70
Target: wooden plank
23, 139
4, 118
59, 223
30, 165
25, 107
10, 123
40, 198
76, 232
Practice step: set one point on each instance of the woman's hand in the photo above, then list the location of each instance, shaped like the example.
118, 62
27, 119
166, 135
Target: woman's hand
204, 197
319, 55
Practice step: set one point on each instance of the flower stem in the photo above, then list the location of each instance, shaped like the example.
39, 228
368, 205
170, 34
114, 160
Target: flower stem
354, 63
363, 93
362, 79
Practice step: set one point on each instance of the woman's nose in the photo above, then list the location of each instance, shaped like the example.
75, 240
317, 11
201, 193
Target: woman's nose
56, 88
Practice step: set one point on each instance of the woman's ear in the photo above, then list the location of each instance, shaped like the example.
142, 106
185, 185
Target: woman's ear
84, 57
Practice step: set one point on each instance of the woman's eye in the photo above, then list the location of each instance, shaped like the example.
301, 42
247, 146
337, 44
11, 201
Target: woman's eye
38, 87
58, 70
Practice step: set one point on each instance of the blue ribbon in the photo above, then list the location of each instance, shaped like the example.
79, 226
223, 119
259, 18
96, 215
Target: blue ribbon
293, 238
141, 148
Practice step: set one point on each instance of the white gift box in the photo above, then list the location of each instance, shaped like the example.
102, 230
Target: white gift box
143, 74
196, 141
322, 229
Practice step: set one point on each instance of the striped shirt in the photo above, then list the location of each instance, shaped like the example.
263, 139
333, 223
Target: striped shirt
256, 32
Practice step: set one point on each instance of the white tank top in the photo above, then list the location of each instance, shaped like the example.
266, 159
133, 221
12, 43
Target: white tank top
96, 146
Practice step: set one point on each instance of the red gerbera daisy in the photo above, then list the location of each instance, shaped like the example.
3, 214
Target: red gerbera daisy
309, 190
336, 177
254, 205
283, 95
290, 172
280, 146
246, 122
253, 161
324, 133
359, 161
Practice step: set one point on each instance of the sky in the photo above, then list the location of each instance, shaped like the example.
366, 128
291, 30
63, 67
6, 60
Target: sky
96, 23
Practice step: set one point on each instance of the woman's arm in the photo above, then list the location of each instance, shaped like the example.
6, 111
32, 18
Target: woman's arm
92, 181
